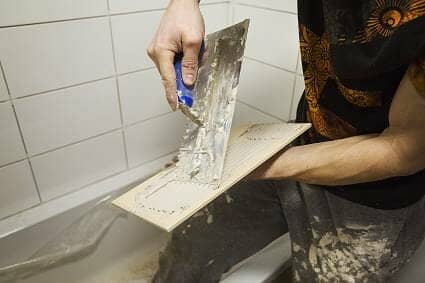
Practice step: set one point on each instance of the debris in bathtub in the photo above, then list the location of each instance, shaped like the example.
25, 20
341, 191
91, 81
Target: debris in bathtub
75, 242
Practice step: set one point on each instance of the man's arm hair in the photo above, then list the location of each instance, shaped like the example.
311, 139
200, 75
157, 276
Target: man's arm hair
398, 151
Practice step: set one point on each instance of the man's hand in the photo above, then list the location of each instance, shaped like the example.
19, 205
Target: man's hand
181, 30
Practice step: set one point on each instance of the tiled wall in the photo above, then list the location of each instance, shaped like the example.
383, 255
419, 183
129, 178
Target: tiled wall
80, 101
271, 79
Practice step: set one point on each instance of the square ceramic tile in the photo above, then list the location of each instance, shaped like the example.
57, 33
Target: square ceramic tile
18, 191
39, 58
149, 140
267, 88
11, 147
215, 17
122, 6
298, 92
17, 12
245, 114
272, 36
142, 96
61, 117
70, 168
3, 89
132, 34
282, 5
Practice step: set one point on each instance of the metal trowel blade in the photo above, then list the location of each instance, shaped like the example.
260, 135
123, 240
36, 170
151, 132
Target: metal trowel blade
201, 157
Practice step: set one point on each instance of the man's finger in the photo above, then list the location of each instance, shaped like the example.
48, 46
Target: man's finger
191, 47
168, 75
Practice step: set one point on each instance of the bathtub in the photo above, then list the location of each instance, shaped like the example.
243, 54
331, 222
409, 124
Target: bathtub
128, 250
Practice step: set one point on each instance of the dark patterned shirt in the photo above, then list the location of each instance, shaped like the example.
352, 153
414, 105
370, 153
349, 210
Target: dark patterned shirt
354, 55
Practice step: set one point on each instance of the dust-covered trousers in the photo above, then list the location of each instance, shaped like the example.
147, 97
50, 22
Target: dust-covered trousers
333, 239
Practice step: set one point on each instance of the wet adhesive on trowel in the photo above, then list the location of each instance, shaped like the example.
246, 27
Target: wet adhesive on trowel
201, 157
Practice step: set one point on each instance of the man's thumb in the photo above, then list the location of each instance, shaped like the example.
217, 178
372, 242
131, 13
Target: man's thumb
190, 61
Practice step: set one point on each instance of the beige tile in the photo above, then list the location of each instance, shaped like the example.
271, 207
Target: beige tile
61, 117
11, 147
298, 92
72, 167
272, 37
18, 12
267, 88
18, 191
142, 96
149, 140
43, 57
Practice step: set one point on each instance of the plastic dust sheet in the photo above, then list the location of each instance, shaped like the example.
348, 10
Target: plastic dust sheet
75, 242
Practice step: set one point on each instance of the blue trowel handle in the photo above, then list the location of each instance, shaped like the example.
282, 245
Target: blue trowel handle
184, 94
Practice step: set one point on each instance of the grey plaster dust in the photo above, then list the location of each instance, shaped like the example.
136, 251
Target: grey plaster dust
229, 199
342, 257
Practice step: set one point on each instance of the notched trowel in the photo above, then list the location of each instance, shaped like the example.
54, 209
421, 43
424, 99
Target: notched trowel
201, 157
201, 175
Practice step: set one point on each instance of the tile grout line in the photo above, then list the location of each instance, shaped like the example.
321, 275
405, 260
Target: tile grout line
111, 34
265, 8
271, 65
260, 110
94, 182
293, 88
64, 87
98, 16
84, 83
37, 188
87, 138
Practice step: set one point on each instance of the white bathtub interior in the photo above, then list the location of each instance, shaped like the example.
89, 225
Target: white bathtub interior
128, 253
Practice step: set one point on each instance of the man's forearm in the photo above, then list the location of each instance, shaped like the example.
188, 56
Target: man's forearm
398, 151
353, 160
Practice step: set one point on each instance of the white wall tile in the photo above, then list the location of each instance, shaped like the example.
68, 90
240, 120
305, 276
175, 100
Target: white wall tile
282, 5
48, 56
142, 96
132, 35
3, 89
298, 92
151, 139
212, 1
11, 148
16, 12
245, 114
18, 190
272, 37
215, 16
300, 66
122, 6
72, 167
267, 88
61, 117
